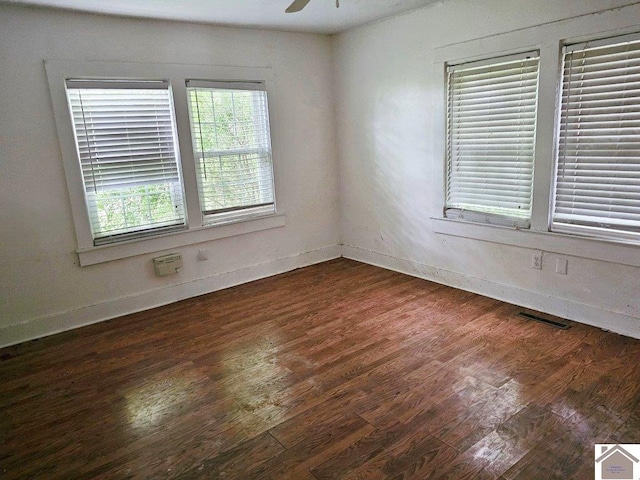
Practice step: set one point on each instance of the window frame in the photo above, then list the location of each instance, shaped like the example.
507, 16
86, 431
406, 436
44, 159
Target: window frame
197, 230
484, 214
618, 235
98, 141
236, 212
549, 39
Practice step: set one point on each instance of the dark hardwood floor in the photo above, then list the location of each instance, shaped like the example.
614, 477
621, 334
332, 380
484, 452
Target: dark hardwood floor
339, 370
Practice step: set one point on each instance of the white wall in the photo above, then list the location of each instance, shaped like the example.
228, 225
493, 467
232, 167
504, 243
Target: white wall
391, 176
42, 288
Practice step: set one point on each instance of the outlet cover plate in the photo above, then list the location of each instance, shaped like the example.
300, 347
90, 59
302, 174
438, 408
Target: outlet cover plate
536, 260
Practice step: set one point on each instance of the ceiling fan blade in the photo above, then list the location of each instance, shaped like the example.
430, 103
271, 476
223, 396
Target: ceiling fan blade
297, 5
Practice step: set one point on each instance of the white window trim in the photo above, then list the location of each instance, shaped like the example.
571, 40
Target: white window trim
198, 231
549, 40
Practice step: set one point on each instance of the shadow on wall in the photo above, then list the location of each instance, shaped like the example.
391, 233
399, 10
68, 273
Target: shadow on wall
400, 172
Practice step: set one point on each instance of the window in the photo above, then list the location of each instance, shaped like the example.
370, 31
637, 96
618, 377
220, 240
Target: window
491, 116
126, 144
155, 161
232, 148
597, 190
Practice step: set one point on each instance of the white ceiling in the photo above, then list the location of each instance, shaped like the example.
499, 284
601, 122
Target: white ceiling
320, 16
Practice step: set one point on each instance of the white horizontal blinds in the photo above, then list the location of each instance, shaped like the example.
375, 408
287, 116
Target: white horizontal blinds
232, 146
598, 169
491, 116
125, 137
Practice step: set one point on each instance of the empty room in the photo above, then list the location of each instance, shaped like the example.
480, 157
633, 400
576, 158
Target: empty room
311, 239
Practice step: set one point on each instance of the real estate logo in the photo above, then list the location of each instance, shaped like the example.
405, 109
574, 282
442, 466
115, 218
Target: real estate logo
618, 462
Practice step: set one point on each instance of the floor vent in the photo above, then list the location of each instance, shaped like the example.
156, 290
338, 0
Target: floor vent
546, 321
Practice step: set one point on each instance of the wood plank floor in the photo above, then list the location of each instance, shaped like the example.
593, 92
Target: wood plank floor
339, 370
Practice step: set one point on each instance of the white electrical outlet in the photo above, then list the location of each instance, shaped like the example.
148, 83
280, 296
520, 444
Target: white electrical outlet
536, 260
561, 266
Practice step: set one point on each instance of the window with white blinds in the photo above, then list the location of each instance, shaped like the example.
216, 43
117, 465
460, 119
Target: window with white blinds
597, 191
126, 143
491, 117
232, 148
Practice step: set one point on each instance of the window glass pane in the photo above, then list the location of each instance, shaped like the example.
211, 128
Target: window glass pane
127, 149
597, 191
232, 146
491, 116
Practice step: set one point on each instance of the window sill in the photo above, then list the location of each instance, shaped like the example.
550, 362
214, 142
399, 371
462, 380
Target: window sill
108, 253
596, 249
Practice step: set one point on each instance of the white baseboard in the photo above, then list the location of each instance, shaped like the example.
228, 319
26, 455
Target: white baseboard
572, 310
60, 322
561, 307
